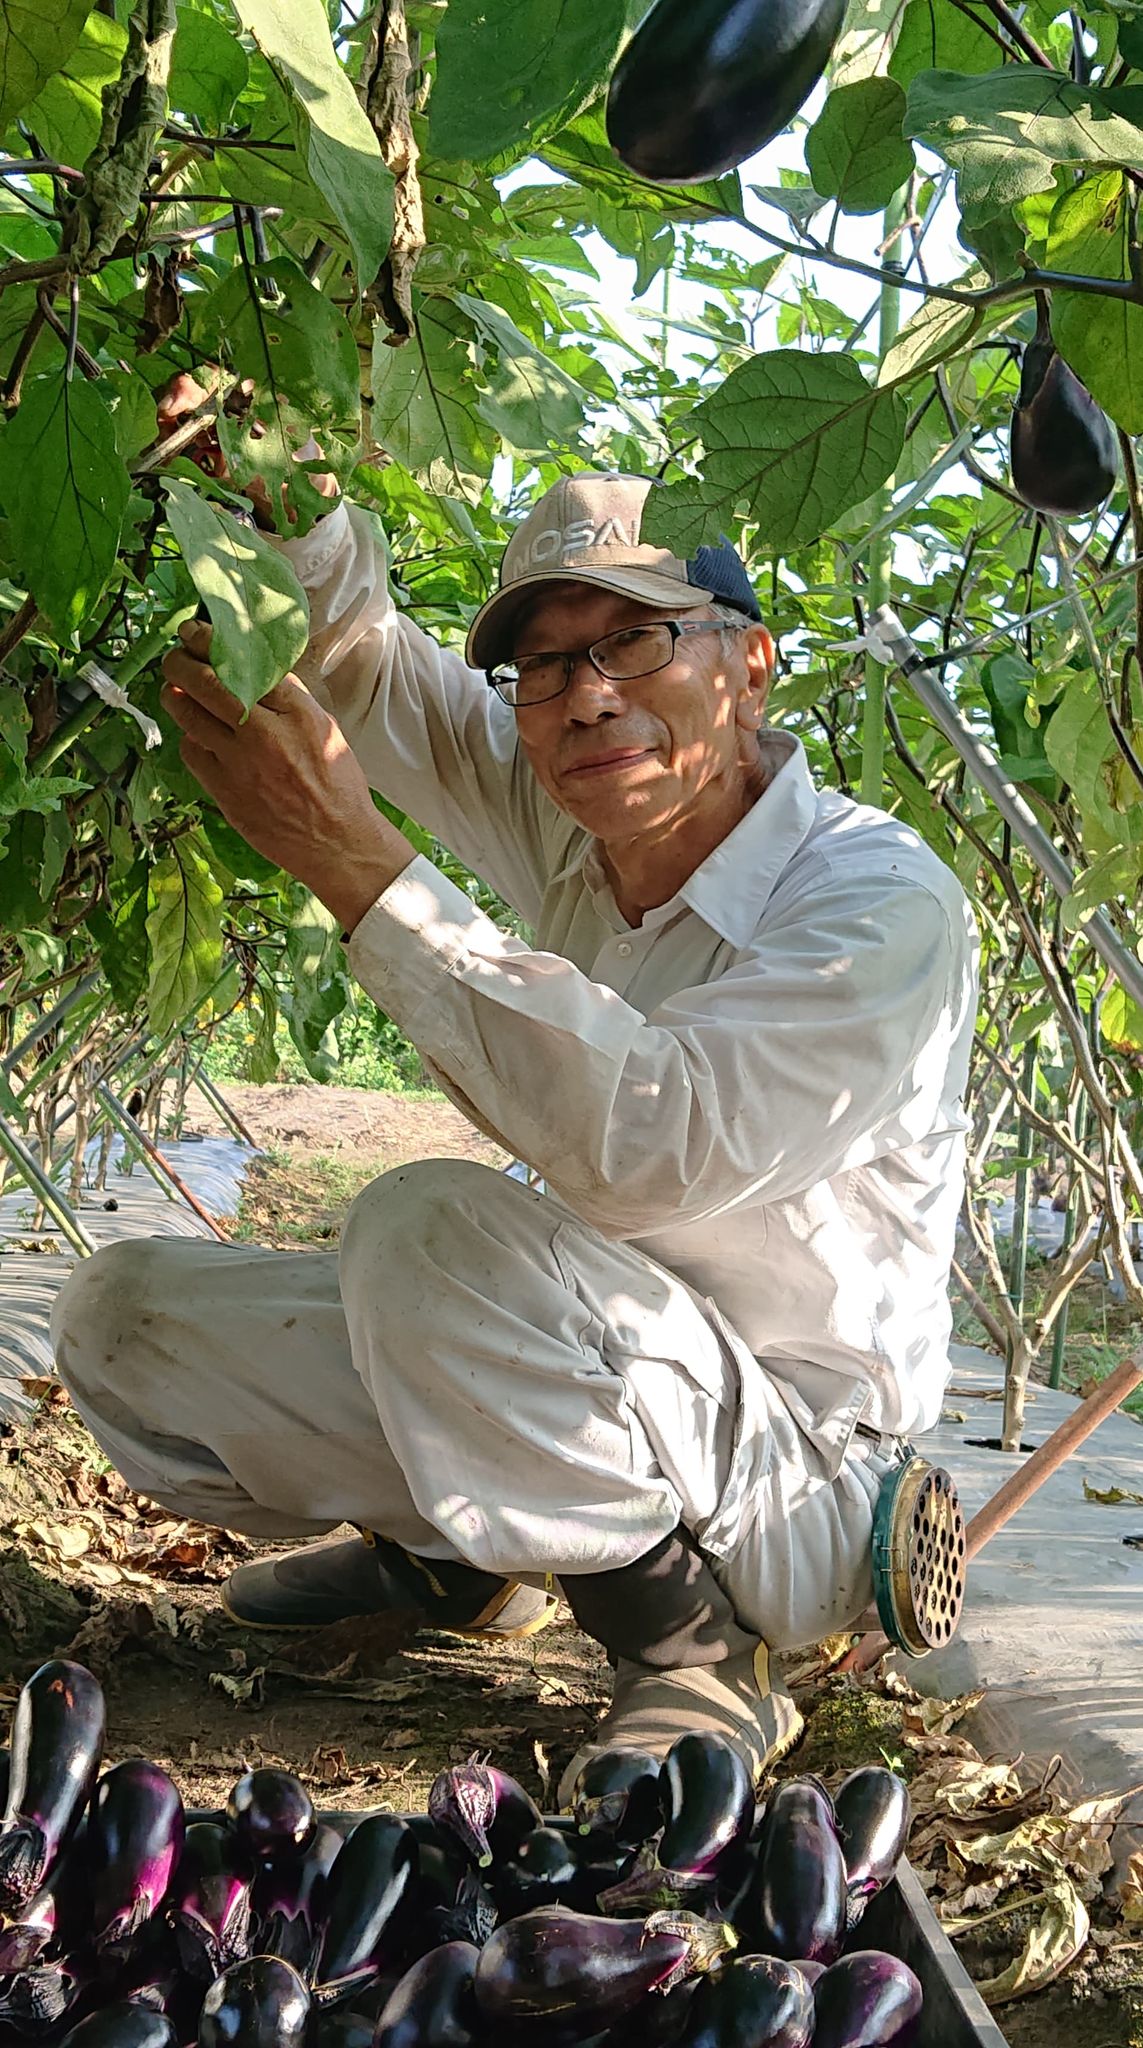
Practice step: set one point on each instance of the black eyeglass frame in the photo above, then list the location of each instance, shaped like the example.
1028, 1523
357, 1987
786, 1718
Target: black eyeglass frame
677, 628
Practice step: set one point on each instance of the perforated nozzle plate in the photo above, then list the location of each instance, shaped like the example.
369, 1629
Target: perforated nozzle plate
919, 1557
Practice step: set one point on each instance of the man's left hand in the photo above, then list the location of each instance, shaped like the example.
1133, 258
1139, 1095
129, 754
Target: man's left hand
284, 777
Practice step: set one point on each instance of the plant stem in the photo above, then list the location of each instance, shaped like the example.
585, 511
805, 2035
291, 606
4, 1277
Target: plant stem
881, 550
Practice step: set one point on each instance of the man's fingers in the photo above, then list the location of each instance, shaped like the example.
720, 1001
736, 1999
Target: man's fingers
196, 680
200, 725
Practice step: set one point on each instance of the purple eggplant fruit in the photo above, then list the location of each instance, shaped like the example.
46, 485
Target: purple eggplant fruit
123, 2025
486, 1810
271, 1811
707, 1801
434, 2005
24, 1938
371, 1889
288, 1899
797, 1905
544, 1871
619, 1790
209, 1900
758, 1999
657, 2021
867, 2000
258, 2003
339, 2028
1065, 456
872, 1813
811, 1971
555, 1967
135, 1836
57, 1743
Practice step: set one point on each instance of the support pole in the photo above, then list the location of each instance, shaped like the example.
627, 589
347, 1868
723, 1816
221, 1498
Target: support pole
30, 1171
230, 1117
121, 1115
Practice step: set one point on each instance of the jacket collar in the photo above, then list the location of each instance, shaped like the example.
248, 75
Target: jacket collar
731, 888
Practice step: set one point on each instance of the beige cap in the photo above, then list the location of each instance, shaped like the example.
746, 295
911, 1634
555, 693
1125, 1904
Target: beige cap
586, 528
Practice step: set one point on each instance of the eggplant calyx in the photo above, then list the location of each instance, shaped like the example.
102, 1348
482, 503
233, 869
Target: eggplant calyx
23, 1862
120, 1932
707, 1942
464, 1800
655, 1889
325, 1996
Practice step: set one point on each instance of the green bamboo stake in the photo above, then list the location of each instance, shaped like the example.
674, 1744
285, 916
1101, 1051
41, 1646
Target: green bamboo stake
881, 550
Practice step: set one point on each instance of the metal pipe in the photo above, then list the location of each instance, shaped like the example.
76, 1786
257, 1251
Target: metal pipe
1018, 1490
57, 1205
50, 1020
890, 641
121, 1115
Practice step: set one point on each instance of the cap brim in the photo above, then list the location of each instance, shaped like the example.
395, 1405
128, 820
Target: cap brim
488, 632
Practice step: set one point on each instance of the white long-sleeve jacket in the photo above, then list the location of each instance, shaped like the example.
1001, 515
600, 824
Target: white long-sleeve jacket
760, 1086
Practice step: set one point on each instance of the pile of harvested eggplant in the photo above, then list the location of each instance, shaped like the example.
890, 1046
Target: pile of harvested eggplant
666, 1908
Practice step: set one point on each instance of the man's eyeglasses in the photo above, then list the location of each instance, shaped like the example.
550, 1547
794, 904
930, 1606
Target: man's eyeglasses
620, 657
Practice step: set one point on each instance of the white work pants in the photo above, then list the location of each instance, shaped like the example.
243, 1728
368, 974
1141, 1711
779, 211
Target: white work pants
477, 1375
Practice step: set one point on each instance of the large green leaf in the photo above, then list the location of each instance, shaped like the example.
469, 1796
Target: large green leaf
1081, 746
531, 402
65, 488
257, 606
292, 339
209, 67
119, 928
423, 412
1005, 680
184, 928
1089, 232
791, 441
517, 71
36, 38
855, 151
319, 987
341, 151
583, 152
934, 333
935, 36
67, 115
1005, 131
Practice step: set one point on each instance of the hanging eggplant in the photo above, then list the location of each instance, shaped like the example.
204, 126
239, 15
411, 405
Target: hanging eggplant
758, 1999
703, 84
584, 1972
209, 1900
797, 1905
434, 2005
1065, 455
271, 1811
867, 2000
259, 2003
371, 1888
288, 1899
57, 1742
618, 1790
123, 2025
486, 1810
134, 1840
872, 1814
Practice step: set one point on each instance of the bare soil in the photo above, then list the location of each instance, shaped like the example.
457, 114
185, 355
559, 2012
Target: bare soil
367, 1715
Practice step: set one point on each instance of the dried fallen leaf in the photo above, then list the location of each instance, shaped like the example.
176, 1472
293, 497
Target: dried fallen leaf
939, 1717
1112, 1496
243, 1691
1131, 1891
1058, 1932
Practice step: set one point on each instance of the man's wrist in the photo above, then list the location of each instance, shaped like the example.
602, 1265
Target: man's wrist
358, 885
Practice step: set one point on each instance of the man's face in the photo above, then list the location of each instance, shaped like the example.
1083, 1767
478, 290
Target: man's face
629, 757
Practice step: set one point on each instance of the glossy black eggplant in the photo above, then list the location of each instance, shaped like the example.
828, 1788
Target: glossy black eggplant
208, 1902
339, 2028
797, 1905
122, 2025
585, 1972
658, 2021
703, 84
867, 2000
618, 1791
759, 1999
258, 2003
707, 1799
544, 1870
288, 1899
485, 1809
271, 1811
371, 1889
1065, 454
135, 1834
434, 2005
56, 1746
872, 1814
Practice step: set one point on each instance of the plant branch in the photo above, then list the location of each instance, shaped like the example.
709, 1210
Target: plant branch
979, 1307
1019, 34
18, 626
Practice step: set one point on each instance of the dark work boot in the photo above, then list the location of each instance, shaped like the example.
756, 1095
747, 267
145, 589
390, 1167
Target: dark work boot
367, 1574
682, 1661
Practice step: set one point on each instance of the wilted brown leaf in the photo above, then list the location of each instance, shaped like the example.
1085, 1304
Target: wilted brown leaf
1112, 1496
1058, 1931
1131, 1891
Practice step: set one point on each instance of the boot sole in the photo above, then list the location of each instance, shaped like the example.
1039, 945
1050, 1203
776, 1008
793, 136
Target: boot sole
309, 1628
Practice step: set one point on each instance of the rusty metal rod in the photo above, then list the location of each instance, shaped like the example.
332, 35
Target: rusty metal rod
121, 1115
1009, 1498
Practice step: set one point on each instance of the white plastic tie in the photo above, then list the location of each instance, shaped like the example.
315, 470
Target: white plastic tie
113, 693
